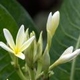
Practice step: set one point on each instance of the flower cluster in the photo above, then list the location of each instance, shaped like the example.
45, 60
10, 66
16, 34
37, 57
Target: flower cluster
37, 59
20, 45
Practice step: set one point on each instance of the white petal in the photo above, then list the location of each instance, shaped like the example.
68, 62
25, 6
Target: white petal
9, 38
56, 15
69, 57
49, 21
55, 20
20, 36
20, 55
27, 43
68, 50
75, 53
4, 46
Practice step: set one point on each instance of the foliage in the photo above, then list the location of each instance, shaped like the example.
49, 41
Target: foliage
13, 15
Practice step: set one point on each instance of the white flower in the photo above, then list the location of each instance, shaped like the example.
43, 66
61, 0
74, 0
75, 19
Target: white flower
53, 22
20, 45
68, 55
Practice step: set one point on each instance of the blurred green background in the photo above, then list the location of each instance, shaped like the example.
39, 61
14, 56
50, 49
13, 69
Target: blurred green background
14, 13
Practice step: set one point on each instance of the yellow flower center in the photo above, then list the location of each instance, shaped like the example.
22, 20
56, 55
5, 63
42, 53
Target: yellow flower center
17, 50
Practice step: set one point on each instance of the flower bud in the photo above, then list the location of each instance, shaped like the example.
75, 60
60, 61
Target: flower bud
46, 59
53, 22
39, 48
68, 55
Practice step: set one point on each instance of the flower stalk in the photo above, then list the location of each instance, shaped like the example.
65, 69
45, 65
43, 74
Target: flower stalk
74, 62
21, 75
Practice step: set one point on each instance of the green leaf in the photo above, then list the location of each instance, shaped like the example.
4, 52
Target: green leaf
66, 35
19, 14
6, 21
12, 15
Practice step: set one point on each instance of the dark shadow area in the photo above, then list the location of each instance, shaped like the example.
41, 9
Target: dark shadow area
35, 6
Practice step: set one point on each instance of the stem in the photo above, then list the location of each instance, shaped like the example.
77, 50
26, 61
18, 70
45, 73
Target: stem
74, 62
73, 69
50, 68
39, 75
46, 78
15, 62
32, 74
49, 39
17, 68
54, 65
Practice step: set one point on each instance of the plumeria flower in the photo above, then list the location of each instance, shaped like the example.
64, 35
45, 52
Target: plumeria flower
68, 55
53, 22
20, 45
51, 26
